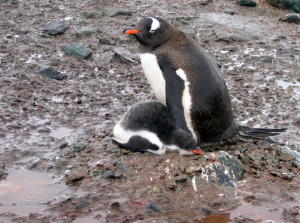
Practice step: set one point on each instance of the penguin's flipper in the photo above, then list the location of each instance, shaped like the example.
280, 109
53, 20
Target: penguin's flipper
174, 92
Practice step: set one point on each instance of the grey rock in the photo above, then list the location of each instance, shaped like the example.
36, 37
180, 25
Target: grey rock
192, 169
107, 41
56, 28
78, 51
112, 148
226, 170
52, 74
92, 14
205, 2
109, 174
122, 57
154, 207
79, 146
121, 13
229, 11
249, 3
75, 175
267, 59
291, 18
85, 31
286, 4
63, 145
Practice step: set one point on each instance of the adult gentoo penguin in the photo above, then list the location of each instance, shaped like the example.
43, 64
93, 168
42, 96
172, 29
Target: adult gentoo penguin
185, 79
147, 127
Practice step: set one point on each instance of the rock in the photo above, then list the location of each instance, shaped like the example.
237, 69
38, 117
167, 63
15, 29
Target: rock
267, 59
52, 74
56, 28
112, 148
285, 155
112, 174
291, 214
226, 170
181, 179
107, 41
286, 4
192, 169
75, 175
85, 31
291, 18
171, 185
78, 51
205, 2
92, 14
154, 207
63, 145
229, 11
79, 146
249, 3
121, 13
121, 57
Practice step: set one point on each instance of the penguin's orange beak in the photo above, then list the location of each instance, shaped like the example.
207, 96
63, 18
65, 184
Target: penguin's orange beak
131, 31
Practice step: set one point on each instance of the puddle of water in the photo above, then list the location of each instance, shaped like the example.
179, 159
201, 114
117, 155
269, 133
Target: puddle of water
61, 132
24, 192
215, 218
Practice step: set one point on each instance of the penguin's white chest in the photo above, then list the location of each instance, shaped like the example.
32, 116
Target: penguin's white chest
154, 76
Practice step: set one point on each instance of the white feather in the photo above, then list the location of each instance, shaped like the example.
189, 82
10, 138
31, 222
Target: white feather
186, 101
155, 25
154, 76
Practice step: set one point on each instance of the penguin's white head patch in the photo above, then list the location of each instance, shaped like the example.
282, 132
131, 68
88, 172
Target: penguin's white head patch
154, 25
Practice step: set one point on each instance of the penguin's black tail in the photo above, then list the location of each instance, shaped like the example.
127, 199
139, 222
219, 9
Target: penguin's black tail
246, 133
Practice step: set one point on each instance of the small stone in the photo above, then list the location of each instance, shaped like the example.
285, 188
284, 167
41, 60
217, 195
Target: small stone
112, 174
205, 2
291, 18
181, 179
121, 57
182, 166
249, 3
82, 204
78, 51
56, 28
285, 156
52, 74
267, 59
229, 11
79, 146
112, 148
286, 4
85, 31
172, 185
121, 13
92, 14
107, 41
75, 175
154, 207
192, 169
63, 145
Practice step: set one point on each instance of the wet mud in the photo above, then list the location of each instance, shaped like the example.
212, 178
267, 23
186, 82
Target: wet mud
57, 160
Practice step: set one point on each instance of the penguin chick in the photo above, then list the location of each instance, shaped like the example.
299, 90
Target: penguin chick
186, 80
147, 127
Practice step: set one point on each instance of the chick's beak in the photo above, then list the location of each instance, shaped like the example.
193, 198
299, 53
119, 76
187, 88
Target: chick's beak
131, 31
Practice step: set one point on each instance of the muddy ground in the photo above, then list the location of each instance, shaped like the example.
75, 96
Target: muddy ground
56, 157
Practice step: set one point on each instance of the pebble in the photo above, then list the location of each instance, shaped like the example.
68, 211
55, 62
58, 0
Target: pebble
286, 4
121, 57
79, 146
229, 11
122, 13
52, 74
85, 31
77, 51
249, 3
92, 14
112, 174
75, 175
56, 28
205, 2
192, 169
291, 18
63, 145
